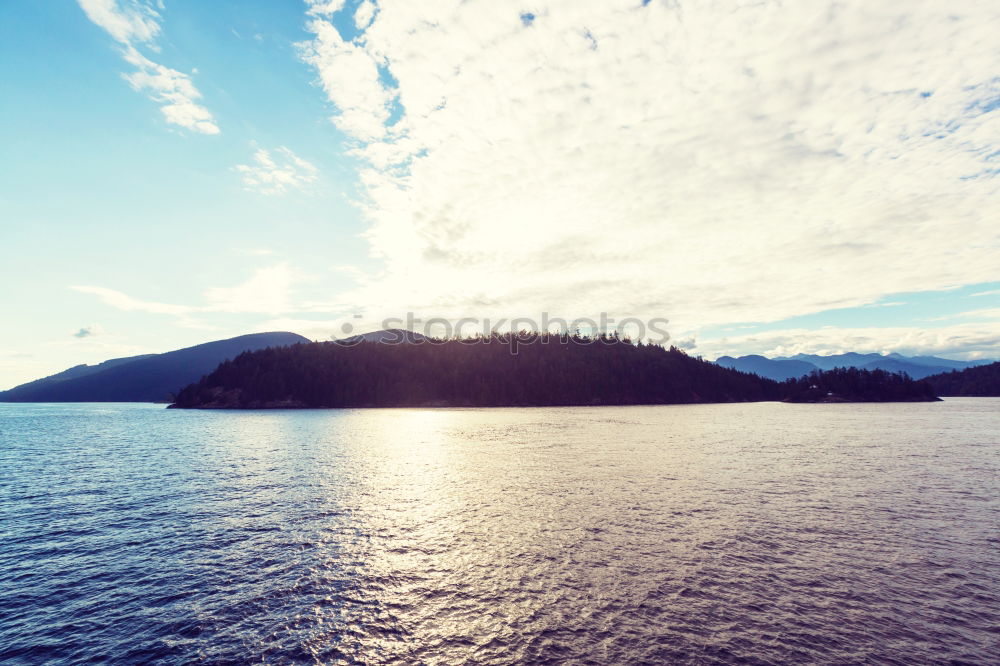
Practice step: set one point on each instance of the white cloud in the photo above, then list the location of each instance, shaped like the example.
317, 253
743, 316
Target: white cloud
314, 329
323, 7
350, 77
969, 341
364, 14
702, 162
982, 313
133, 23
128, 21
173, 90
276, 173
121, 301
267, 291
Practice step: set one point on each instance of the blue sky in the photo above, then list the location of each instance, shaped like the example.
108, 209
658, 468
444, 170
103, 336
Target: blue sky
772, 180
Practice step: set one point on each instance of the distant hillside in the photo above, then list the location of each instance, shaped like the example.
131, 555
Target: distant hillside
76, 371
765, 367
831, 361
917, 367
981, 381
546, 370
149, 378
388, 336
785, 367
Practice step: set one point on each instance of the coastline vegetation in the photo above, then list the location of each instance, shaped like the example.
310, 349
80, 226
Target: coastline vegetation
510, 370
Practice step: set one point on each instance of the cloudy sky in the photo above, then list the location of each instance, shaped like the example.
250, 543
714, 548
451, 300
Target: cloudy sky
771, 177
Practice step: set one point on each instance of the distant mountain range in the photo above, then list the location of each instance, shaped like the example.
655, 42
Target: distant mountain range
147, 378
789, 367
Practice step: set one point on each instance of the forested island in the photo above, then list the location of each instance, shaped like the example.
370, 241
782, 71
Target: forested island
857, 385
981, 381
546, 370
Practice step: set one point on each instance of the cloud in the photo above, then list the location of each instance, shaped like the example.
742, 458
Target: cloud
323, 7
982, 313
134, 24
267, 291
364, 14
325, 329
350, 77
701, 163
970, 341
89, 331
173, 90
686, 343
275, 173
127, 22
117, 299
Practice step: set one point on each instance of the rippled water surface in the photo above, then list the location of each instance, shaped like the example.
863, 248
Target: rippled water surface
756, 533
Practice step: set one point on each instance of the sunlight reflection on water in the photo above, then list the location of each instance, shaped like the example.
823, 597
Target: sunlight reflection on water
699, 533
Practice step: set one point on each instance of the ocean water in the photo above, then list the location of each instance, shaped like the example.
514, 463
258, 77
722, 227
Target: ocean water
709, 534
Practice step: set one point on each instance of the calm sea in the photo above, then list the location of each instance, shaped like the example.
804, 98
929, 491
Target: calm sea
712, 534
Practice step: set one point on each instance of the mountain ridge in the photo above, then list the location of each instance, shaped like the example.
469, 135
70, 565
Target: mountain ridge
76, 371
145, 378
780, 368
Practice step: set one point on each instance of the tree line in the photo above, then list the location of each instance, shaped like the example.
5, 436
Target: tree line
857, 385
979, 381
548, 369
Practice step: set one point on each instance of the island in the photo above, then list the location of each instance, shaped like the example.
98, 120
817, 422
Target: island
981, 382
857, 385
510, 370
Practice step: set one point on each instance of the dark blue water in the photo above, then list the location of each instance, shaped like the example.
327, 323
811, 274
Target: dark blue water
716, 534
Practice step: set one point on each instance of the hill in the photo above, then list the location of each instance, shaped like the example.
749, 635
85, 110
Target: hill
76, 371
982, 381
786, 367
483, 371
148, 378
765, 367
393, 336
546, 370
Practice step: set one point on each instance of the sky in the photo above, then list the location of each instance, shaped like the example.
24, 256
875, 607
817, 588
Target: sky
770, 177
